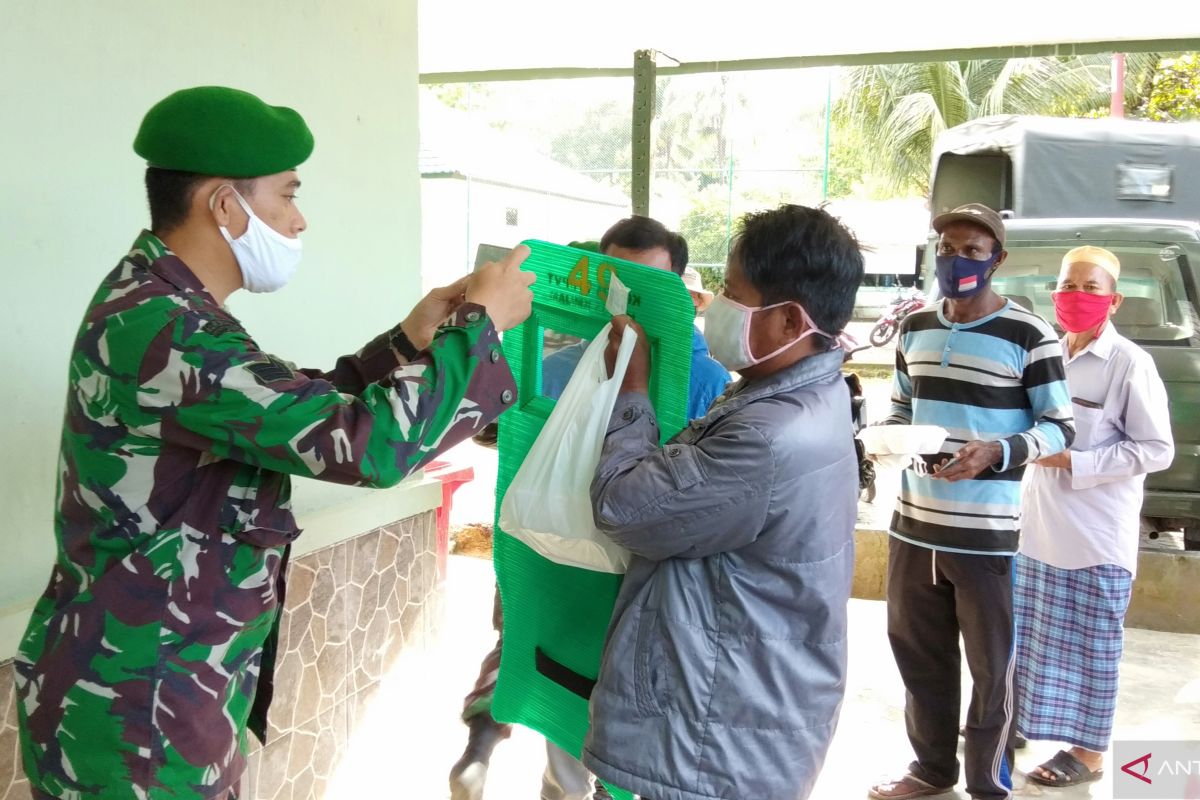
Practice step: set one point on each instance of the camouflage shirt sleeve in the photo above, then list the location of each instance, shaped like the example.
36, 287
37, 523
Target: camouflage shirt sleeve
203, 383
352, 374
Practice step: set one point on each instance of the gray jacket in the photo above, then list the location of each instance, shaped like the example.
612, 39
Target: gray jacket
725, 662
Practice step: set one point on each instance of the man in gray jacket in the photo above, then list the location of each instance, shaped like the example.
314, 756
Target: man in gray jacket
725, 663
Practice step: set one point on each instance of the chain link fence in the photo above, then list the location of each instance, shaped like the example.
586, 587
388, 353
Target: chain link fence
551, 159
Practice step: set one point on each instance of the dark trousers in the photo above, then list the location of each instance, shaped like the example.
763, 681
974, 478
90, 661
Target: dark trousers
479, 699
933, 597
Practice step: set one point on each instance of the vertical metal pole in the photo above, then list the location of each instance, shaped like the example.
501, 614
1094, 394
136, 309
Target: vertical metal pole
725, 114
468, 179
645, 74
1117, 108
828, 114
729, 204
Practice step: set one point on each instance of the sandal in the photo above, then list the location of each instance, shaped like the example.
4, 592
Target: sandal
1067, 771
904, 788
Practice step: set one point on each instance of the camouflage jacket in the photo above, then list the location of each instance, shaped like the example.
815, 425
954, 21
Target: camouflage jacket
139, 668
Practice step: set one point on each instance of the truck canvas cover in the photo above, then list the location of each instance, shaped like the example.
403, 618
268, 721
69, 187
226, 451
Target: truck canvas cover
1049, 167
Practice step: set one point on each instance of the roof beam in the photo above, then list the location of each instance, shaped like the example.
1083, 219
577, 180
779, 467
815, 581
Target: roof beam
645, 74
805, 62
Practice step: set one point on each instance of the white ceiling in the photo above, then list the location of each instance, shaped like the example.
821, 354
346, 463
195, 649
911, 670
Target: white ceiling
471, 35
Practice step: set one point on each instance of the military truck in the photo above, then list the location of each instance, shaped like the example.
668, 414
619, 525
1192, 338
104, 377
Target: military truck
1132, 187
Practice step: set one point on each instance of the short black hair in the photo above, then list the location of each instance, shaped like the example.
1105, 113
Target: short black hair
644, 233
802, 254
170, 193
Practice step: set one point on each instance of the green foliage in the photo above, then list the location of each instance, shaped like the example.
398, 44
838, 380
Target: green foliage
847, 162
600, 141
460, 96
706, 228
691, 141
899, 109
713, 278
1172, 93
712, 220
691, 130
451, 95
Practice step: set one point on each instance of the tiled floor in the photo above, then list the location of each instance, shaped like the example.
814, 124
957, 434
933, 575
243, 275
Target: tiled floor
408, 740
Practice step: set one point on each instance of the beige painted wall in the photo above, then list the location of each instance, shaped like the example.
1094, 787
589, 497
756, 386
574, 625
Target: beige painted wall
75, 79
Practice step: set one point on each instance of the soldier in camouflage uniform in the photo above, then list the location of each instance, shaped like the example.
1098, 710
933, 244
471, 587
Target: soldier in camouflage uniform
147, 657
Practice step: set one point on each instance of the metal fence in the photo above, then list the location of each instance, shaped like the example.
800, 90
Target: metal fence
723, 144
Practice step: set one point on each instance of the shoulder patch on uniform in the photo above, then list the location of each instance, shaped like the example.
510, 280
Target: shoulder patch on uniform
271, 370
218, 326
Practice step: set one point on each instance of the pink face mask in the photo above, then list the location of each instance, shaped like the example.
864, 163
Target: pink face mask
727, 331
1081, 311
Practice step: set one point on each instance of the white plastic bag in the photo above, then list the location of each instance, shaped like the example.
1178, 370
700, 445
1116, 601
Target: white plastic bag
548, 505
903, 439
897, 446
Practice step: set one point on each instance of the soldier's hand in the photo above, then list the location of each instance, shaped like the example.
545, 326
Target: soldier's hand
502, 288
433, 309
970, 460
637, 374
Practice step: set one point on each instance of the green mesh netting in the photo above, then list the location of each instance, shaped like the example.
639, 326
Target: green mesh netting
554, 614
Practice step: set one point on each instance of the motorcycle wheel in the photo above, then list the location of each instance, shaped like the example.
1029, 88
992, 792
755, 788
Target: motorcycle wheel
882, 333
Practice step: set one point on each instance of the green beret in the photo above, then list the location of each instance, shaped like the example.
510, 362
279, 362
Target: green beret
212, 130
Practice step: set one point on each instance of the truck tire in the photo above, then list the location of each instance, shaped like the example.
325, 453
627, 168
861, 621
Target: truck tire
1191, 537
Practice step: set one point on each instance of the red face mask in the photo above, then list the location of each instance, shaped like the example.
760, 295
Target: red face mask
1080, 311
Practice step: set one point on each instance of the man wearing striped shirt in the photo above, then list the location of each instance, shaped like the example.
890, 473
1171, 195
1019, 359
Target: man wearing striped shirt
991, 373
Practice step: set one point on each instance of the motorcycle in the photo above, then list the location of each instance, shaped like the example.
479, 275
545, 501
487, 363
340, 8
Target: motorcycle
904, 304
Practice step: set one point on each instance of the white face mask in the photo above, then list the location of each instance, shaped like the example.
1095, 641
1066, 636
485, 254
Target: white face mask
266, 257
727, 331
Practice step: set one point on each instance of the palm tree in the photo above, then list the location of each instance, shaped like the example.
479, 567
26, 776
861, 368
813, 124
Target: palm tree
901, 108
691, 130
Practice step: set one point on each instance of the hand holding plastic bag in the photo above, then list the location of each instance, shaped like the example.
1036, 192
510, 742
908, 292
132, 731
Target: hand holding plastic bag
548, 505
637, 370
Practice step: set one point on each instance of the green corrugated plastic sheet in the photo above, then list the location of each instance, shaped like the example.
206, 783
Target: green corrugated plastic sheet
564, 611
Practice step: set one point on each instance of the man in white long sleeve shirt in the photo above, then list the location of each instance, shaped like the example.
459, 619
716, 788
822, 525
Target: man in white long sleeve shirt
1080, 515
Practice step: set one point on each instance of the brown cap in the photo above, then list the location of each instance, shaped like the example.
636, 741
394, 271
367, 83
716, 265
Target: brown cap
976, 214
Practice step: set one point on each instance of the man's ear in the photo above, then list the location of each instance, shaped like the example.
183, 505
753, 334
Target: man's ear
1117, 299
999, 261
793, 320
222, 202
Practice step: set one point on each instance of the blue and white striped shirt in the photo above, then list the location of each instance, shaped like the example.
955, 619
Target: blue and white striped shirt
999, 378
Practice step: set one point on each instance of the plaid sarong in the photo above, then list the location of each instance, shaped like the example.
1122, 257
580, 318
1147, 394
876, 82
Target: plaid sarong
1070, 632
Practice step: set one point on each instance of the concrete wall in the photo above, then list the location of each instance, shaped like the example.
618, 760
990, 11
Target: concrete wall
351, 609
1165, 597
78, 77
1166, 592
